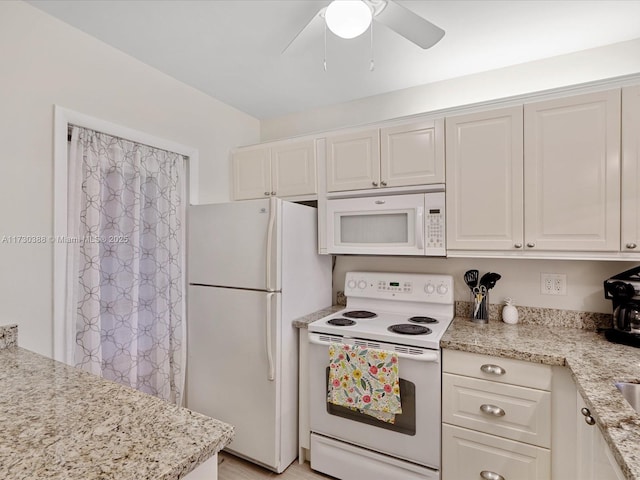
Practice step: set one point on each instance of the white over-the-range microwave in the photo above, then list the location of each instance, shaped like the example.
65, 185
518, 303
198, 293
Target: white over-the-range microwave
404, 224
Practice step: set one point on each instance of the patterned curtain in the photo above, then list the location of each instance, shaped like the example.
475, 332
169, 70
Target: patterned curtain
126, 262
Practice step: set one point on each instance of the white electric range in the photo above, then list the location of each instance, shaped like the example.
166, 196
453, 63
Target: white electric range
397, 312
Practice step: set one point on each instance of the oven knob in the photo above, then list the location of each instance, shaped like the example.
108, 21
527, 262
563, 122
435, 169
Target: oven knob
429, 288
351, 284
442, 289
362, 284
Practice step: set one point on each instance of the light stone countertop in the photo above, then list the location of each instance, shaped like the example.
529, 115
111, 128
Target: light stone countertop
595, 364
58, 422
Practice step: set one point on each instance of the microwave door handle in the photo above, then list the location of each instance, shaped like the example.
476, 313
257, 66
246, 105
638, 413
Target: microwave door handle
419, 223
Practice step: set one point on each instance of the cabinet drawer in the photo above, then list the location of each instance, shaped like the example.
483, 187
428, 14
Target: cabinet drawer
518, 413
514, 372
465, 454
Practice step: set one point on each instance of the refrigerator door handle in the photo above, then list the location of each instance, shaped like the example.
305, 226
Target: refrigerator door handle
272, 221
271, 376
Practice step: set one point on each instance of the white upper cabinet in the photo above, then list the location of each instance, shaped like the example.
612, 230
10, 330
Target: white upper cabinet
293, 169
630, 235
251, 173
542, 179
353, 161
399, 156
572, 173
412, 154
485, 180
283, 169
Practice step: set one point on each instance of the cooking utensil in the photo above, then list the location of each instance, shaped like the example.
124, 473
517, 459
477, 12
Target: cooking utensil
480, 294
490, 279
471, 278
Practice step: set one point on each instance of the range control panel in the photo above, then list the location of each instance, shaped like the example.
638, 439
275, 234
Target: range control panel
411, 287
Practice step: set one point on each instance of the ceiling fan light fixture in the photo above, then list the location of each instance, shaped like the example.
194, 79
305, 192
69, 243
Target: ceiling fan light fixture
348, 18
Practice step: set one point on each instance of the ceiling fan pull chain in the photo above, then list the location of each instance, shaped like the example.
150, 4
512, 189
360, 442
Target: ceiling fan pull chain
371, 63
324, 60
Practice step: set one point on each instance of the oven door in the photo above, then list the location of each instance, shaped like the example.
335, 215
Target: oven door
415, 435
391, 225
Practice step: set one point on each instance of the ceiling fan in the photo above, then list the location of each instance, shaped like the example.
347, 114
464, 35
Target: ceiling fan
351, 18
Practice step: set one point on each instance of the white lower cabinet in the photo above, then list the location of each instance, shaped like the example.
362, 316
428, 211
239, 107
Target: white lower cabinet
594, 458
467, 454
205, 471
506, 419
496, 419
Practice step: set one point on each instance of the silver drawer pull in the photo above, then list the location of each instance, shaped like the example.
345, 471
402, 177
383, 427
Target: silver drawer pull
487, 475
492, 410
493, 369
589, 420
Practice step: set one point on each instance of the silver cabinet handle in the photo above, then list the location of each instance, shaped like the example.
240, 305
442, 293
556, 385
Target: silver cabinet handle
487, 475
587, 416
273, 193
492, 410
375, 184
517, 245
631, 246
531, 245
493, 369
383, 183
266, 194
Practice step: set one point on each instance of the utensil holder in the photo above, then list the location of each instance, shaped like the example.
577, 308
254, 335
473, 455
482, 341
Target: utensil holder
480, 307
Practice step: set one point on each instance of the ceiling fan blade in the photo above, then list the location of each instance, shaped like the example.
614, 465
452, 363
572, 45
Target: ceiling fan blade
316, 8
410, 25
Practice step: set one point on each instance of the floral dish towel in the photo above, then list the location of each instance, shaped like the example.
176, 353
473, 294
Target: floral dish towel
364, 379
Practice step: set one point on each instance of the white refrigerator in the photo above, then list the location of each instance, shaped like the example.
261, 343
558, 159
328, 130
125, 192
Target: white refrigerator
253, 268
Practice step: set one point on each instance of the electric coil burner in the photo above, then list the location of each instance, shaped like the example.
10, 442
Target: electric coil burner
423, 320
341, 322
359, 314
409, 329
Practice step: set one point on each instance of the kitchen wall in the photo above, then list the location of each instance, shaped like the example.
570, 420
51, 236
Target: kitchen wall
45, 62
572, 69
521, 278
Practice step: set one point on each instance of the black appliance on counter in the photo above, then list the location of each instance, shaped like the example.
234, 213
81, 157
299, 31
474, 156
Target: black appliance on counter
624, 292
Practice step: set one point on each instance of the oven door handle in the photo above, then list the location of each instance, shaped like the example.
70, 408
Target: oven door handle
431, 356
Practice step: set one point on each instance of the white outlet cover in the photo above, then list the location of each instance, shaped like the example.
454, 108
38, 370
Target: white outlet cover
553, 283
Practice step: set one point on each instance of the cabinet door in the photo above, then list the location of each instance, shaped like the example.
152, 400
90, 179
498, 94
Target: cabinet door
630, 235
293, 169
251, 173
595, 460
572, 173
467, 454
353, 161
484, 180
517, 413
412, 154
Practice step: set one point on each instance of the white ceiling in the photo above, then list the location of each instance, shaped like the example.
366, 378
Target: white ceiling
231, 49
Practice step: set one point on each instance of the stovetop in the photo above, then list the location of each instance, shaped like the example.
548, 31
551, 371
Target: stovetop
377, 328
405, 309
